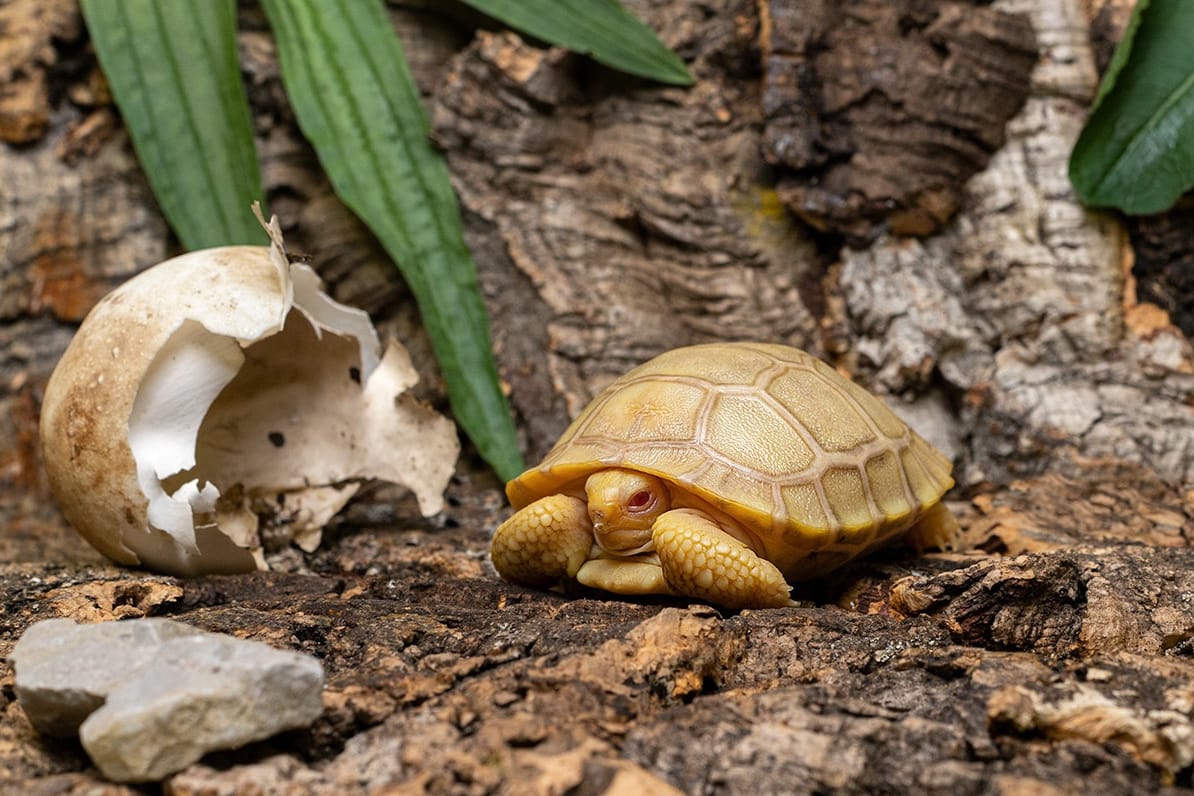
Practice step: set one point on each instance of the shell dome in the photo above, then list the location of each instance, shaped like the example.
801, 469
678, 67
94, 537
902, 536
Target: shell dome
815, 466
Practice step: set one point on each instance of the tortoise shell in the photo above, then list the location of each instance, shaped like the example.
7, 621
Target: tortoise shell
814, 466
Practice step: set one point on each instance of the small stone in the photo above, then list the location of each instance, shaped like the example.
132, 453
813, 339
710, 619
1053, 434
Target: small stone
66, 671
151, 696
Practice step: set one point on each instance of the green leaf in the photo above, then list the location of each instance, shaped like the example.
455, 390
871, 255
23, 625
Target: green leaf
1122, 51
173, 69
1136, 151
598, 28
355, 99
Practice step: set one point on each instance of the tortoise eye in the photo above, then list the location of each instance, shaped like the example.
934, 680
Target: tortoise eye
640, 500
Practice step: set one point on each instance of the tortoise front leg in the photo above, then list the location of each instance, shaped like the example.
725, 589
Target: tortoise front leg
544, 542
701, 560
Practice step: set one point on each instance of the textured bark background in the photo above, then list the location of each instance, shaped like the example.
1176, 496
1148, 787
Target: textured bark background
1039, 343
879, 111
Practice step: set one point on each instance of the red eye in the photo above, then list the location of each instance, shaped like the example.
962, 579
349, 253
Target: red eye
639, 500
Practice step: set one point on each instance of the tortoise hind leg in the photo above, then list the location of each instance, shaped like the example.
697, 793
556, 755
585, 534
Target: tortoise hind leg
544, 542
701, 560
938, 528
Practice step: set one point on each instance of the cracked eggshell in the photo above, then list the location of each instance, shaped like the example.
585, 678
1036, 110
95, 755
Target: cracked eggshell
220, 393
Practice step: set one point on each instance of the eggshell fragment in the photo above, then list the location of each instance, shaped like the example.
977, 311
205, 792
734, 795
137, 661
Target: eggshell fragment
221, 392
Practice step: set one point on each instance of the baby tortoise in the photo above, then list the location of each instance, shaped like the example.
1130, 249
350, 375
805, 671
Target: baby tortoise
721, 472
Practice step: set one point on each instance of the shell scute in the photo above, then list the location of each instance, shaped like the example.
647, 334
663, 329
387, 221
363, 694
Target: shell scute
922, 483
747, 431
804, 500
729, 487
847, 495
829, 415
736, 365
645, 412
887, 486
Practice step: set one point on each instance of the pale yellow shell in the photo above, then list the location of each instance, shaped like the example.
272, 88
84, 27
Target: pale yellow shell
816, 467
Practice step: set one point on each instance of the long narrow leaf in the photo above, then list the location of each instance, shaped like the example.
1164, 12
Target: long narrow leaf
355, 99
1137, 149
599, 28
173, 70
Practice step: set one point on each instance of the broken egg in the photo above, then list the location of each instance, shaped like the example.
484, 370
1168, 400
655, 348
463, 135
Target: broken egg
220, 397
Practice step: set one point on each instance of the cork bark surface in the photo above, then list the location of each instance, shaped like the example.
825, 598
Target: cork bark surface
1040, 344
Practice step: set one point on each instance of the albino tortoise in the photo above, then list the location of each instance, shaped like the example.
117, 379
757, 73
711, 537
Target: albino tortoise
720, 472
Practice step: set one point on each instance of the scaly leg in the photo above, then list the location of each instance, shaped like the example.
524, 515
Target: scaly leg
701, 560
544, 542
938, 528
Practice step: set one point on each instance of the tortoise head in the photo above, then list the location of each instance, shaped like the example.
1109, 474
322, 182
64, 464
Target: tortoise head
623, 505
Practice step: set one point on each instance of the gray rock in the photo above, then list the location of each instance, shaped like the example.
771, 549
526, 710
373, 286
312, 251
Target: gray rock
65, 671
151, 696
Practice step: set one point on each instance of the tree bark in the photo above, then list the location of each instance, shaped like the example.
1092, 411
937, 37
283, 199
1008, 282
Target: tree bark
611, 219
